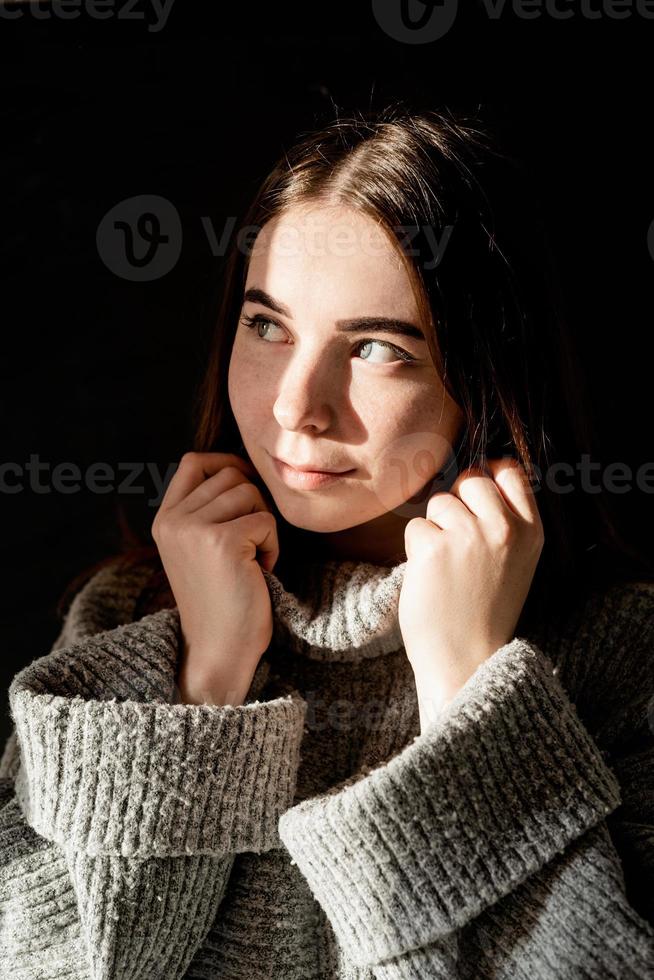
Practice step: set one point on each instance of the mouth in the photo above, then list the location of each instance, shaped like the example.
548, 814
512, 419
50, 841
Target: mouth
308, 479
311, 468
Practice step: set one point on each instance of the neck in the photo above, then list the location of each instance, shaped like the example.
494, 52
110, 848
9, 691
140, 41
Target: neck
379, 542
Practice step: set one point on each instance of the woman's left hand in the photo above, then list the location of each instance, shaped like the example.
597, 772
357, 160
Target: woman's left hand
470, 564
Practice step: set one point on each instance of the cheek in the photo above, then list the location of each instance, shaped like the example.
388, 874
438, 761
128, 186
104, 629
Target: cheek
410, 439
412, 411
247, 386
235, 386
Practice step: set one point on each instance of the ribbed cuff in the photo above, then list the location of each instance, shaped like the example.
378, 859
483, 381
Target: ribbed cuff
489, 793
139, 780
135, 775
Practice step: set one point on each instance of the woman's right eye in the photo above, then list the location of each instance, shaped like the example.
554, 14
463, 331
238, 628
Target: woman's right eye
254, 321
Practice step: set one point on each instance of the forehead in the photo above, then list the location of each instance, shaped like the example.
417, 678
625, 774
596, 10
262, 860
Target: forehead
333, 257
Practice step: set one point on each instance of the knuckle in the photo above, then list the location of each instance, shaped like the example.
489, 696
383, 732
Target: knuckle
245, 491
503, 531
428, 539
258, 517
214, 534
162, 529
470, 471
432, 546
469, 537
158, 522
234, 471
438, 502
538, 536
415, 525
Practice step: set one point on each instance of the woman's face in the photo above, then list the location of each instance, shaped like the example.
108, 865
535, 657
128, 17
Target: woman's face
313, 388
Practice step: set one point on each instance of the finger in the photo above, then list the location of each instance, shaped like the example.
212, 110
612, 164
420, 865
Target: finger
481, 496
228, 477
194, 469
262, 533
446, 511
512, 481
236, 501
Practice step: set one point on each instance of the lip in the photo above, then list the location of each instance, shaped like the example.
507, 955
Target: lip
309, 469
305, 479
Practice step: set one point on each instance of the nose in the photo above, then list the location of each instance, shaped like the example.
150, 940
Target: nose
306, 394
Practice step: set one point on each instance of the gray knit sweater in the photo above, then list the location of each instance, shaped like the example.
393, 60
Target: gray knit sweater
314, 833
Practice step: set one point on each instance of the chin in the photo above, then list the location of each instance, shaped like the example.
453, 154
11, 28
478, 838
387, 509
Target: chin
321, 516
318, 524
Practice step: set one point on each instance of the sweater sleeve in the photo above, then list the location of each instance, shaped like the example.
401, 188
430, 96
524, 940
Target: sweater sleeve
119, 828
503, 841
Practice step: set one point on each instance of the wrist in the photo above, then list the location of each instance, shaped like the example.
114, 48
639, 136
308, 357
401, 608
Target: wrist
210, 687
206, 694
433, 694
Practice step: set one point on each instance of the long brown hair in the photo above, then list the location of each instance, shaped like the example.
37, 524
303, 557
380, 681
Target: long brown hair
497, 330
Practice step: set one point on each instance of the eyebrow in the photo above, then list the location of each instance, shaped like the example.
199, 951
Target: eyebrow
360, 324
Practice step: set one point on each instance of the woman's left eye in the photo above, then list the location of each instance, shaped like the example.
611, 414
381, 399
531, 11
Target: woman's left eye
402, 354
254, 321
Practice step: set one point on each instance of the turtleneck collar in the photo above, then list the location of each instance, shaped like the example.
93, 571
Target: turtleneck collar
326, 609
338, 610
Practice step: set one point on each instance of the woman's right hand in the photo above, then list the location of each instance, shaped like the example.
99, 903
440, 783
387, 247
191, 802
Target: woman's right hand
211, 527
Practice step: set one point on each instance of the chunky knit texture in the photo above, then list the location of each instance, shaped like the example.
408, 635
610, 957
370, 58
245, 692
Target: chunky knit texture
314, 833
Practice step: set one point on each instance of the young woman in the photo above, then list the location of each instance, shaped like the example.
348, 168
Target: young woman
377, 702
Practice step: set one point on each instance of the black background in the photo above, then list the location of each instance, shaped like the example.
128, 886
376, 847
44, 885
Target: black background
96, 368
